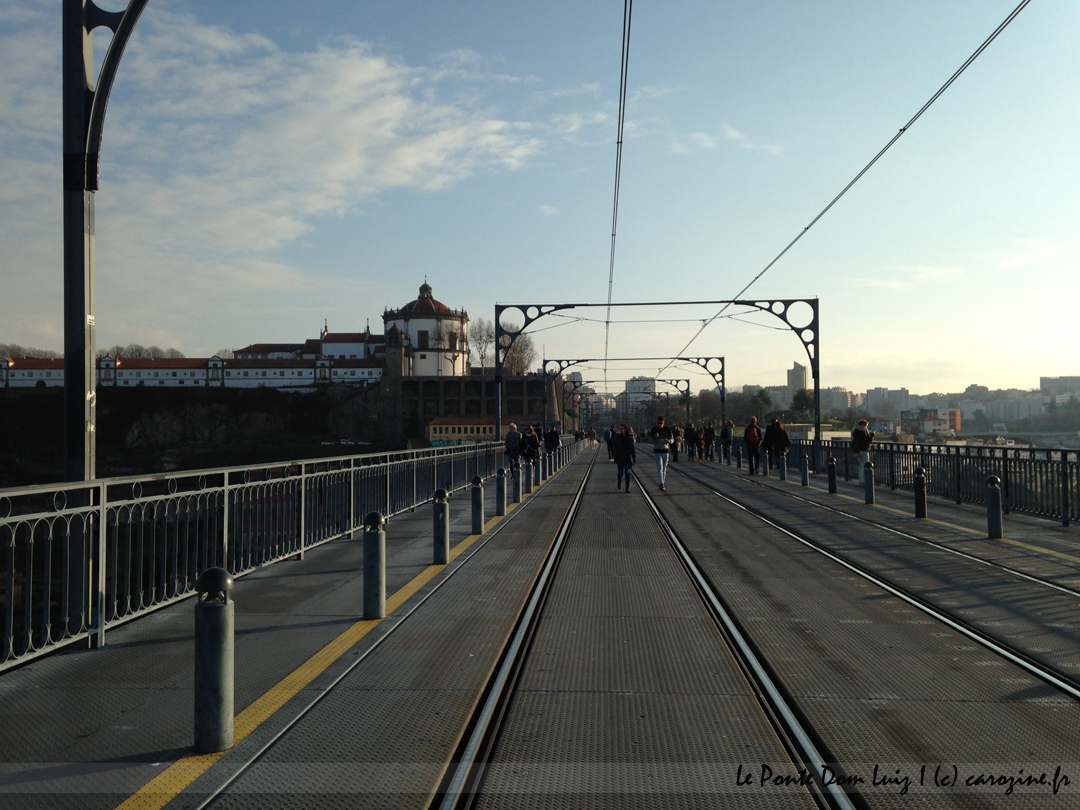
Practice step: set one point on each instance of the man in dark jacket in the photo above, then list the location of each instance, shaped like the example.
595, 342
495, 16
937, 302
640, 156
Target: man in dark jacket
662, 438
514, 443
625, 454
709, 437
861, 438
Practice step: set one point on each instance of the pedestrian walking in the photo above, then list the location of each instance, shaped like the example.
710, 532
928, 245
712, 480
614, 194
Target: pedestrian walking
861, 439
708, 440
514, 443
727, 438
691, 437
753, 436
625, 454
662, 438
676, 442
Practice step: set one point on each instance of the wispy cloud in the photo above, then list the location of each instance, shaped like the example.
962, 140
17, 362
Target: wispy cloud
744, 142
548, 210
1030, 252
219, 147
910, 277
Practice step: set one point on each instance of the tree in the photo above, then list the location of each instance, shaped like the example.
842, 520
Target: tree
17, 352
761, 401
521, 355
225, 354
482, 338
803, 402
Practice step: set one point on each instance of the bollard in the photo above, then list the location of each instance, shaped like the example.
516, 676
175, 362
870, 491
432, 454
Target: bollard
527, 476
832, 475
782, 464
804, 469
478, 505
868, 480
763, 462
994, 529
515, 476
500, 492
374, 566
441, 514
920, 492
536, 473
738, 458
214, 621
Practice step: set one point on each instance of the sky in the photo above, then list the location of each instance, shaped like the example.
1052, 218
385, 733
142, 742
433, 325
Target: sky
270, 167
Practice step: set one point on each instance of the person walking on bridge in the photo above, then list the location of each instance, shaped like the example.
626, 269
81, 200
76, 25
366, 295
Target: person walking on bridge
662, 439
861, 439
625, 454
708, 441
514, 443
752, 436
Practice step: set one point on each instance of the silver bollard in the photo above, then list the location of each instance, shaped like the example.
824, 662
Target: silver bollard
478, 505
441, 518
527, 476
214, 662
868, 481
994, 528
374, 566
536, 473
515, 476
738, 459
920, 492
832, 475
500, 492
804, 469
782, 464
763, 462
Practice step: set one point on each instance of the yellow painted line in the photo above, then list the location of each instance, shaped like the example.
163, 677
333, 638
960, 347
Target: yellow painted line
969, 530
160, 790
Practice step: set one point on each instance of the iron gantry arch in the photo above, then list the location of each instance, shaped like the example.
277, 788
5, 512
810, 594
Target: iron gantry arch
804, 325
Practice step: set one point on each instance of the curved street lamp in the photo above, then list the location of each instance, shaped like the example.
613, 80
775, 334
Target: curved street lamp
84, 117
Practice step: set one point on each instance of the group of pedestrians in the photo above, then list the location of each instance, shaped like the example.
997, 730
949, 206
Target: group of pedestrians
526, 445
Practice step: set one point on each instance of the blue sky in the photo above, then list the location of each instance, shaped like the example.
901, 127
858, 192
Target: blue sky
270, 165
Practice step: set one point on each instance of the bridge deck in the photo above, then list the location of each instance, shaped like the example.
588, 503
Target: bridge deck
628, 694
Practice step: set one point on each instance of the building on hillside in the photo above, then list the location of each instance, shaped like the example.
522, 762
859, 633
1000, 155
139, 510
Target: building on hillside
451, 430
837, 399
930, 421
1057, 386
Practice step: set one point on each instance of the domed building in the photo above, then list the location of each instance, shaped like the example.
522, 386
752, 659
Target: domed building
434, 336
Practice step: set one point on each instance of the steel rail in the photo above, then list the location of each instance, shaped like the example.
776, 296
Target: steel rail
802, 742
939, 546
1060, 680
461, 786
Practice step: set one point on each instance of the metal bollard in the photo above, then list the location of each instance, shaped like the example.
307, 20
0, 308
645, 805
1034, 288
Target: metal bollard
868, 480
441, 519
782, 464
527, 476
478, 505
500, 491
374, 566
214, 670
832, 475
738, 458
804, 469
994, 529
536, 473
515, 476
920, 492
763, 462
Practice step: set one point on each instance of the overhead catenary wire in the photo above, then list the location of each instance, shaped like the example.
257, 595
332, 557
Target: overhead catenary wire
628, 6
967, 62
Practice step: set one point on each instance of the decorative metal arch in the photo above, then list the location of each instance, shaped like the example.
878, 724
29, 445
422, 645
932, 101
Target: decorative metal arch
84, 117
808, 334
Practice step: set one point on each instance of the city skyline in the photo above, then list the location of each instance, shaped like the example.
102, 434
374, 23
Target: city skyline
264, 172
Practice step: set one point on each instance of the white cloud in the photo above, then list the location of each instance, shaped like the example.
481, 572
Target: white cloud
548, 210
218, 147
1031, 252
744, 142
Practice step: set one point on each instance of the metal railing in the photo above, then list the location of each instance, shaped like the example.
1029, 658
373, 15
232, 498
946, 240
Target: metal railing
1033, 481
76, 559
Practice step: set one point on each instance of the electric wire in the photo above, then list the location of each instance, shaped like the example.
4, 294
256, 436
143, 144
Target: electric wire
628, 6
967, 62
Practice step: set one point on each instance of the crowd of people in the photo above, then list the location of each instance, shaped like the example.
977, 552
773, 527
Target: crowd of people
705, 443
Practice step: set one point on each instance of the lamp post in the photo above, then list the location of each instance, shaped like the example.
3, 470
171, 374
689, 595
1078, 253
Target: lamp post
83, 117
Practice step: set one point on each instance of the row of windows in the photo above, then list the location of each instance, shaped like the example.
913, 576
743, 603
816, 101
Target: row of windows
461, 429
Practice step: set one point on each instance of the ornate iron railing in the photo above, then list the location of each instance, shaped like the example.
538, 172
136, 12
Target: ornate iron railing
76, 559
1033, 481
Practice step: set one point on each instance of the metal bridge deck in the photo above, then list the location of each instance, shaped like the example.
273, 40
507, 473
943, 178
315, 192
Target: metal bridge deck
627, 698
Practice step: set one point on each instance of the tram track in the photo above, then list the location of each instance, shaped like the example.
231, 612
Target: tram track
809, 755
1066, 683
